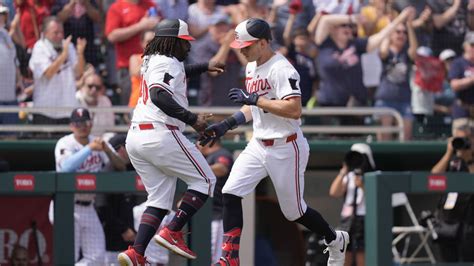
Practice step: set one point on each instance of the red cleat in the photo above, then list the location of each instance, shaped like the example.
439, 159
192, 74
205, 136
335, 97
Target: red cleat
131, 258
174, 241
228, 262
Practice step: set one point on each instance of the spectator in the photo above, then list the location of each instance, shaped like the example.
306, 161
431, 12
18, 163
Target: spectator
91, 94
9, 71
19, 256
215, 86
302, 52
461, 75
247, 9
32, 13
428, 73
13, 28
82, 152
373, 18
349, 184
116, 214
79, 17
445, 98
340, 53
304, 14
174, 9
55, 64
397, 53
452, 19
338, 7
125, 22
456, 210
201, 15
135, 69
221, 161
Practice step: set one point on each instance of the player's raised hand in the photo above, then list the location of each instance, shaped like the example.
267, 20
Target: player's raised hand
201, 122
241, 96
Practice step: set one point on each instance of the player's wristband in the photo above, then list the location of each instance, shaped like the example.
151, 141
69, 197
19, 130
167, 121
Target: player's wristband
233, 121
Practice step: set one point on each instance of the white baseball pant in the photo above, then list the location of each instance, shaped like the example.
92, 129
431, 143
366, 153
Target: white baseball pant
159, 156
284, 161
89, 237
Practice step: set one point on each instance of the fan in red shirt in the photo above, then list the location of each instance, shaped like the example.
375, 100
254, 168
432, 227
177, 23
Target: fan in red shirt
32, 13
126, 20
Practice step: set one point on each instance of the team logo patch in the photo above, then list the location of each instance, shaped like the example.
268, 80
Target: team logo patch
293, 84
167, 78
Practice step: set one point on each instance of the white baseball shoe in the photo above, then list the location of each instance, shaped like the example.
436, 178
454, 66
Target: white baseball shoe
337, 249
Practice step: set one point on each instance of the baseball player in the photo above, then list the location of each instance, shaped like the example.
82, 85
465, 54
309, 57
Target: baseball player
277, 149
157, 148
81, 152
221, 161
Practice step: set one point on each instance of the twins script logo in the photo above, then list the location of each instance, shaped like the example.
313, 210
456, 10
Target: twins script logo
437, 182
86, 182
24, 182
257, 85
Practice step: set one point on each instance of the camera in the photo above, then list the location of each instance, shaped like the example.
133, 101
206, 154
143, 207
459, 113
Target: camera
461, 143
354, 160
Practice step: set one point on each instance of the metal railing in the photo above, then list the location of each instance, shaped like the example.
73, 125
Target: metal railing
306, 128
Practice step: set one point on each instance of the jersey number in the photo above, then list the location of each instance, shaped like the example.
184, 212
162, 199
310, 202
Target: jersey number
144, 94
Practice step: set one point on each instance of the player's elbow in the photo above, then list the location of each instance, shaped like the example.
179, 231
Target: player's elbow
295, 114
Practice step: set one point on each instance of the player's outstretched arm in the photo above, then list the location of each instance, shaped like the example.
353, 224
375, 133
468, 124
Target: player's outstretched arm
217, 130
163, 100
197, 69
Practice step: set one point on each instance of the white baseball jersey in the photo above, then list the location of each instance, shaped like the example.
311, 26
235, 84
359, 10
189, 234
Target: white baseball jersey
275, 79
168, 74
97, 161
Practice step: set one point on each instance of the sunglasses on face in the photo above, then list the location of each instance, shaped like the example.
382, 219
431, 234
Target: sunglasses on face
82, 124
92, 86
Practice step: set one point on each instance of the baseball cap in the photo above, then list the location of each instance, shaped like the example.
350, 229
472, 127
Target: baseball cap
80, 115
469, 38
424, 51
3, 9
364, 149
173, 28
249, 31
117, 141
447, 54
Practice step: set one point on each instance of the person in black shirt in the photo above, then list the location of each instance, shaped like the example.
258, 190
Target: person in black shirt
221, 161
456, 210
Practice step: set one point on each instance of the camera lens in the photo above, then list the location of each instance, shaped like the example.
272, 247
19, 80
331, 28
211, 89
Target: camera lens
461, 143
354, 160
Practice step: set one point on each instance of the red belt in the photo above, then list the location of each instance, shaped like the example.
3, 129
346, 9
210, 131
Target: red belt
270, 142
150, 126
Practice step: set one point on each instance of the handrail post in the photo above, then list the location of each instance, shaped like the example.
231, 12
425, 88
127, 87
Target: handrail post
63, 230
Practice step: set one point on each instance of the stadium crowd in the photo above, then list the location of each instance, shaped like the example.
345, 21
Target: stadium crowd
414, 56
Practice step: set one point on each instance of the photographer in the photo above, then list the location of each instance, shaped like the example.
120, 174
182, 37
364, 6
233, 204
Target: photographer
455, 211
349, 184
